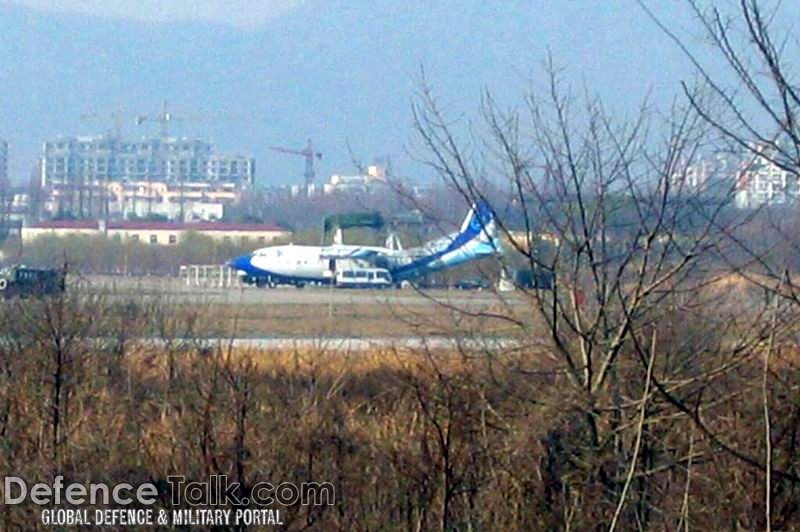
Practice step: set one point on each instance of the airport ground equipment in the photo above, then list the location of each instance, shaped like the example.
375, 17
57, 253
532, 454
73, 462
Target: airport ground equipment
22, 281
209, 276
526, 279
363, 278
349, 220
530, 279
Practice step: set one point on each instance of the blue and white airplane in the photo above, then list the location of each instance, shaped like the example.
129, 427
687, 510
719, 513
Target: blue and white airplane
300, 265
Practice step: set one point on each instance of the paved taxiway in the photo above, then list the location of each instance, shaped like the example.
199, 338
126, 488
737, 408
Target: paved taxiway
177, 290
328, 319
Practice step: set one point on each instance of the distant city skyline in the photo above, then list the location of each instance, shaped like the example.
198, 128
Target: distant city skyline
340, 72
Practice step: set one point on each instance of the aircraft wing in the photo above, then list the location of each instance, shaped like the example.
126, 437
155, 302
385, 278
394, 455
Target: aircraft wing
365, 254
356, 253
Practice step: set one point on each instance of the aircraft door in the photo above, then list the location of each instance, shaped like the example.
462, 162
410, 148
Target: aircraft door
332, 265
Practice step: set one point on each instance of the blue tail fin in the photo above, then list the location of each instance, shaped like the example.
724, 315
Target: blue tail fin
480, 222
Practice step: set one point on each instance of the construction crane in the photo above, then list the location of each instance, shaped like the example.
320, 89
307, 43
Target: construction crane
309, 154
163, 118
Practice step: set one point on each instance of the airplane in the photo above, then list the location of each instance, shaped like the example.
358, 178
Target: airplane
300, 265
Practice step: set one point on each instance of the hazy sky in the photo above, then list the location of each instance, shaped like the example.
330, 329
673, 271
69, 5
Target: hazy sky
248, 74
245, 14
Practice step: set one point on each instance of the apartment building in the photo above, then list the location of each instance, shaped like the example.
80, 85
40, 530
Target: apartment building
108, 175
86, 160
764, 181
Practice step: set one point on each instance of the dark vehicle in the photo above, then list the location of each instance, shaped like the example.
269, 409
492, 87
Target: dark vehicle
426, 283
26, 282
541, 280
472, 283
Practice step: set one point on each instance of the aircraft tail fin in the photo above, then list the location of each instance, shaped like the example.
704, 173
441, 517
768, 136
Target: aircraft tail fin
480, 222
477, 238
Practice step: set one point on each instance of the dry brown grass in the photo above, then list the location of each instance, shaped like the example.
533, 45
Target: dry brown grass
353, 320
152, 362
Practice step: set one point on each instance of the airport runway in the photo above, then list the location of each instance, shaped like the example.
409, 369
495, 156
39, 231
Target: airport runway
176, 290
324, 317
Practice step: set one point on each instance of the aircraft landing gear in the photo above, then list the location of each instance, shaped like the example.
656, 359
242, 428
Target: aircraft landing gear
265, 282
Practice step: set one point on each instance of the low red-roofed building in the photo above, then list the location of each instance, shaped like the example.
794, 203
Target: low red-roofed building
159, 233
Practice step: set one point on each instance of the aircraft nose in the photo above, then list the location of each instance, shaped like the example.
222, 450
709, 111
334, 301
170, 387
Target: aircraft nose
240, 263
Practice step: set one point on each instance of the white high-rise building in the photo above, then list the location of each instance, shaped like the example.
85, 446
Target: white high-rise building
87, 160
763, 181
83, 176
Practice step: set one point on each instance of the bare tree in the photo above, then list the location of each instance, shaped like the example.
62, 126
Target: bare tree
753, 104
607, 207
